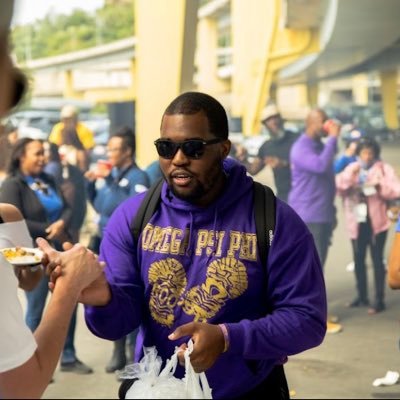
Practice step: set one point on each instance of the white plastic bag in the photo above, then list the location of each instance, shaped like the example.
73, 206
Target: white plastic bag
153, 384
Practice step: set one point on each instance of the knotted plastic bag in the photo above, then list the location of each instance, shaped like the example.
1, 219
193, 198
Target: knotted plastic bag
153, 384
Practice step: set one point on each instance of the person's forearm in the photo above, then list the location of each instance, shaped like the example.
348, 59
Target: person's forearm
52, 331
31, 378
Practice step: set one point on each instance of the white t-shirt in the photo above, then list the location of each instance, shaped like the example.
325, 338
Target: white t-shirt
17, 343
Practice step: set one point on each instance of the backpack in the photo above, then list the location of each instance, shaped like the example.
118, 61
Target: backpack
264, 212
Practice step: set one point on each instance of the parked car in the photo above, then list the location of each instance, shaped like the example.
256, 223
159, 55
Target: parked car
36, 124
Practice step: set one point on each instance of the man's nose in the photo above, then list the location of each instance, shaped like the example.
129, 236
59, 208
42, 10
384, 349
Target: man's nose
180, 158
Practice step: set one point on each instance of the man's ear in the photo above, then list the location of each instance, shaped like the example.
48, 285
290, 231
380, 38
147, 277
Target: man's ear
225, 148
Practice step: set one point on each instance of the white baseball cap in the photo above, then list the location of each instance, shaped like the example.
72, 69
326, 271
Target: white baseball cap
269, 111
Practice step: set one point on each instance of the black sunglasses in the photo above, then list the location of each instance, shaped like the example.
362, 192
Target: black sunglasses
193, 148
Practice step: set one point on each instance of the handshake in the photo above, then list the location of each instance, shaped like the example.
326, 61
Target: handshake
76, 270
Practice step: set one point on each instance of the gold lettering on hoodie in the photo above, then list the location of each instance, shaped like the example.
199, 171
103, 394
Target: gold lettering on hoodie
210, 241
169, 240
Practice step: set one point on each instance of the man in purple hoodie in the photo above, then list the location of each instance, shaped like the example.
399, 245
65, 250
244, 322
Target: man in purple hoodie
313, 190
196, 271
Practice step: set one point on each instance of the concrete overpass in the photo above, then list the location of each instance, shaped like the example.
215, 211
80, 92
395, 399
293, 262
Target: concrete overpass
242, 52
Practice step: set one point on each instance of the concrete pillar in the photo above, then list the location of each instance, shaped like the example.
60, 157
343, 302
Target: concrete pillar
68, 90
360, 89
206, 58
389, 98
312, 94
166, 38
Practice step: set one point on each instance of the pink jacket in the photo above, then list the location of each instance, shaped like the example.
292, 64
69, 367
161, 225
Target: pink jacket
347, 185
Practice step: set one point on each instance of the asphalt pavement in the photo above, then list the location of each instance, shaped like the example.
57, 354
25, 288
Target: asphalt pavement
342, 367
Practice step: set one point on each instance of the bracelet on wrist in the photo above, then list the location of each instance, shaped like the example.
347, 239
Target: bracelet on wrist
226, 336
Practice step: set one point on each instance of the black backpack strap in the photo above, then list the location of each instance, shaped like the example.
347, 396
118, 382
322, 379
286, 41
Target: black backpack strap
147, 208
264, 212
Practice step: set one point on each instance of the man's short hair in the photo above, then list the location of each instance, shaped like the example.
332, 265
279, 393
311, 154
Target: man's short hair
193, 102
128, 138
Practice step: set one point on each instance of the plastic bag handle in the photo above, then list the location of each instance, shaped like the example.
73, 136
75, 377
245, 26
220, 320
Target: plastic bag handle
196, 383
170, 366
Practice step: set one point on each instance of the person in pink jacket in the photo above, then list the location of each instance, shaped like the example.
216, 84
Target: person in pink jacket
366, 185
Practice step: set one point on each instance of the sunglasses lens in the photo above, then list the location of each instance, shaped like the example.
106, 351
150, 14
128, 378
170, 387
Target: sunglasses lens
165, 148
193, 148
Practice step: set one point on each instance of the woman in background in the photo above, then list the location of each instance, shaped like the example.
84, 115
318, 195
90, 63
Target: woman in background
366, 185
47, 215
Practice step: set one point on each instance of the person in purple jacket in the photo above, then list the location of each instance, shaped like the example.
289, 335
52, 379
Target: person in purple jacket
313, 190
196, 270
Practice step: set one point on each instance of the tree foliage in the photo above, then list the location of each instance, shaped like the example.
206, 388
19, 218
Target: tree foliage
58, 34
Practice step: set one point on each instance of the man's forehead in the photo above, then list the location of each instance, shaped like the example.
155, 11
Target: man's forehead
185, 123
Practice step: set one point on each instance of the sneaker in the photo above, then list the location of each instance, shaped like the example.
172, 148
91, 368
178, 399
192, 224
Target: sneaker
76, 366
333, 328
333, 318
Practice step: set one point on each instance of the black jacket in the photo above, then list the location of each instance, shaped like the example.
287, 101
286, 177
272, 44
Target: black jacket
16, 191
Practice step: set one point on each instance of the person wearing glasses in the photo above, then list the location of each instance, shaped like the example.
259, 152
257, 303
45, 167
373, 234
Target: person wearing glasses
109, 184
196, 270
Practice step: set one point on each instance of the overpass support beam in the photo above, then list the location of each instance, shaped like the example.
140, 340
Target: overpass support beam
360, 89
166, 40
68, 90
389, 98
207, 60
312, 94
261, 47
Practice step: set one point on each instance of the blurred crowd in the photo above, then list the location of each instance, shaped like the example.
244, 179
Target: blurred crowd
57, 190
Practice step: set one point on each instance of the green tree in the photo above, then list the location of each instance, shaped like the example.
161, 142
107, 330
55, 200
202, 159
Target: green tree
58, 34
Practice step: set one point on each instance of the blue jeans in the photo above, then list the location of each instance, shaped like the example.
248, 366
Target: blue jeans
36, 304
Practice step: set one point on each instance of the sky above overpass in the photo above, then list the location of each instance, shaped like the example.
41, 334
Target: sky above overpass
27, 11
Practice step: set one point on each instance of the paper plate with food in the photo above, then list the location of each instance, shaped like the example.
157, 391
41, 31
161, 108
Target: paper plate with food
22, 256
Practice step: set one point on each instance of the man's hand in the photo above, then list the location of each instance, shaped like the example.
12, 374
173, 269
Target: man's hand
275, 162
333, 127
209, 343
96, 294
55, 230
76, 267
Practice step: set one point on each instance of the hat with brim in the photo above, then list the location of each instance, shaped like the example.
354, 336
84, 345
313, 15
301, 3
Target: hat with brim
68, 111
268, 112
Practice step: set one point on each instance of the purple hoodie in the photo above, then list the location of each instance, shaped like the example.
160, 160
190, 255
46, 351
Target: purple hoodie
202, 264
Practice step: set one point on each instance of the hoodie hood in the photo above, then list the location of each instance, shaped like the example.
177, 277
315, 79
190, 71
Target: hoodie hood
231, 193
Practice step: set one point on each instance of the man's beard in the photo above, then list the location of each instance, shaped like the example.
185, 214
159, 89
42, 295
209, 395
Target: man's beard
200, 189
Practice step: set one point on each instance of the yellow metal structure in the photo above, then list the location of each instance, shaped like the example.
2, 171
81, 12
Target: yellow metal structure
261, 47
166, 41
389, 98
